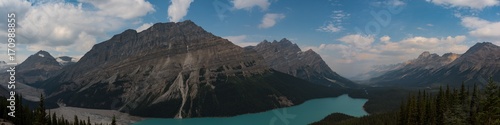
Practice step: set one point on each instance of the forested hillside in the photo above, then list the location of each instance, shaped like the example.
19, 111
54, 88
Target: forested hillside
462, 106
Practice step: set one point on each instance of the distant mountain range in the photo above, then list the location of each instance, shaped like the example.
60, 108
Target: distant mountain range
180, 70
476, 65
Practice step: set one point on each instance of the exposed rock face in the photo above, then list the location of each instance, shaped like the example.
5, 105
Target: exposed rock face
286, 57
176, 70
37, 67
475, 66
431, 61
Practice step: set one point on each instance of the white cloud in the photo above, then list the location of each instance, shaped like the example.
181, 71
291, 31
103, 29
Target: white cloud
126, 9
329, 28
473, 4
178, 9
69, 28
144, 27
249, 4
482, 29
360, 52
430, 25
270, 20
385, 39
358, 41
335, 24
474, 22
240, 40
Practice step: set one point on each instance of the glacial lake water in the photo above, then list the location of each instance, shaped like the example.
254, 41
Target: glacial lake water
303, 114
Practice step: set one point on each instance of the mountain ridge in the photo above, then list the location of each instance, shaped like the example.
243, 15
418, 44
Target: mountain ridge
181, 69
476, 65
287, 57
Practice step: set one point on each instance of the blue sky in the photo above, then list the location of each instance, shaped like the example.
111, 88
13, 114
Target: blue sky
350, 35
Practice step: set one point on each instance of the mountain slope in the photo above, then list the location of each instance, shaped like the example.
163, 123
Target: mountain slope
286, 57
37, 67
176, 70
476, 65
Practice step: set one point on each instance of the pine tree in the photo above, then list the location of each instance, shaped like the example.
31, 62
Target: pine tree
421, 107
440, 107
54, 119
489, 113
113, 122
75, 122
463, 94
88, 120
40, 114
403, 112
473, 107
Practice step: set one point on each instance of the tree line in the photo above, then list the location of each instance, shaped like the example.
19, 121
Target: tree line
38, 116
453, 107
458, 106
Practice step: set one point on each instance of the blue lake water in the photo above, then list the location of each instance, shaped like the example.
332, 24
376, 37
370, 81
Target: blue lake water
303, 114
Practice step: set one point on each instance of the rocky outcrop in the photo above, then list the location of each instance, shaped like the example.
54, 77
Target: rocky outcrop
286, 57
176, 70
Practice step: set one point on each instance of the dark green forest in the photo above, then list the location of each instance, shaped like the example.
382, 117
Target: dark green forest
39, 115
457, 106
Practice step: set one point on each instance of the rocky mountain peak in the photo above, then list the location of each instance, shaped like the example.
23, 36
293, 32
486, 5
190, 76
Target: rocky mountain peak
285, 41
37, 67
481, 56
287, 57
484, 47
427, 55
40, 60
424, 54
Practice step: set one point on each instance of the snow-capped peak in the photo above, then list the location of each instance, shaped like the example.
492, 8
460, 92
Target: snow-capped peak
41, 55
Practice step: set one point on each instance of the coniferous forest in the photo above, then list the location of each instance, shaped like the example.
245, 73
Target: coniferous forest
458, 106
39, 115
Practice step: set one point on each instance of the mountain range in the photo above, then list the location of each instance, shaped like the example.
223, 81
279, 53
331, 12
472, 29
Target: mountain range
180, 70
476, 65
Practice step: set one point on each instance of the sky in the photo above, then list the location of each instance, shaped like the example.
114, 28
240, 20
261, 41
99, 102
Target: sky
350, 35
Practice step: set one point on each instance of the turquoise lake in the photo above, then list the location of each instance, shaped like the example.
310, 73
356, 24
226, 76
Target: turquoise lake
303, 114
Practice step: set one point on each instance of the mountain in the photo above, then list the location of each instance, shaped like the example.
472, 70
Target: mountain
66, 60
476, 65
3, 66
37, 67
177, 70
286, 57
